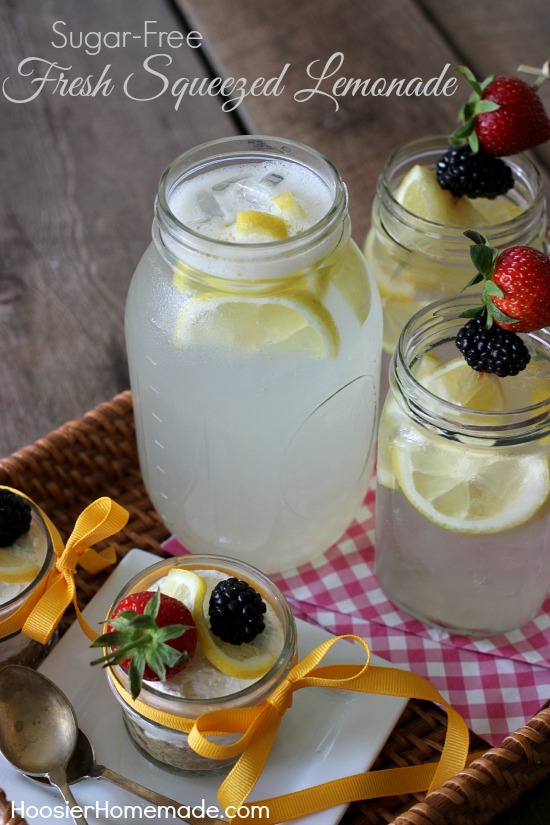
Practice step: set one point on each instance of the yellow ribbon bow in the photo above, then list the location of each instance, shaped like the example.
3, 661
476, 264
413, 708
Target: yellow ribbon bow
258, 727
41, 612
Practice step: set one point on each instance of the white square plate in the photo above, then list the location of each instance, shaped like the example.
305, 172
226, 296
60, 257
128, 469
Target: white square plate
326, 733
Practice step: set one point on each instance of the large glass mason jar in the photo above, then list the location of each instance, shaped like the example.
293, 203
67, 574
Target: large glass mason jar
416, 259
254, 340
463, 495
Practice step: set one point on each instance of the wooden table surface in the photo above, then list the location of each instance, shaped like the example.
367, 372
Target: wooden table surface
79, 171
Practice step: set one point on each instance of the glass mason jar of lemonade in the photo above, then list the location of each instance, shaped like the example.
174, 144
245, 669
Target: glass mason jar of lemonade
254, 339
415, 247
463, 496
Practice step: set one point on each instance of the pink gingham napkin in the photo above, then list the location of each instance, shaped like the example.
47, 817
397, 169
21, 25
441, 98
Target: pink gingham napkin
497, 684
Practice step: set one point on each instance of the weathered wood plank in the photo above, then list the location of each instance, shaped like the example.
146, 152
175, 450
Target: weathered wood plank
79, 175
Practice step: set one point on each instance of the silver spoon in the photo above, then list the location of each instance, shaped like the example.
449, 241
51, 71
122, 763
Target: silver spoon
82, 765
38, 729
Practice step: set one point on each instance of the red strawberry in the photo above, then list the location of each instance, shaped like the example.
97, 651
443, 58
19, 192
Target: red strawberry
523, 274
503, 116
151, 635
518, 124
516, 285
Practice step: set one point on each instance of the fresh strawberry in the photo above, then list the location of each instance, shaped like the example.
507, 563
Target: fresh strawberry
516, 285
503, 116
151, 635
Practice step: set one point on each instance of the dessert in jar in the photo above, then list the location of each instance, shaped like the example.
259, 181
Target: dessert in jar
463, 497
429, 192
254, 341
235, 641
26, 556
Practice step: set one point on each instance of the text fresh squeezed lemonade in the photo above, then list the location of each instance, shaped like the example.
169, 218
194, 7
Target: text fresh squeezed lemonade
254, 355
463, 497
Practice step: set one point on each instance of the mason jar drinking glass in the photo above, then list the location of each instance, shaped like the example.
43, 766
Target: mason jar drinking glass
415, 261
254, 341
204, 688
15, 647
463, 495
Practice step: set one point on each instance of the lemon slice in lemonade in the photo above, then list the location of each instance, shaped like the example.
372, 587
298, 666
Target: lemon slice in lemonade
280, 323
18, 564
246, 661
465, 489
458, 383
420, 193
469, 491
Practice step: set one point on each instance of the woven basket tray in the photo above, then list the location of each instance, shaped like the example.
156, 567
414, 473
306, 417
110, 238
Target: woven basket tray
96, 455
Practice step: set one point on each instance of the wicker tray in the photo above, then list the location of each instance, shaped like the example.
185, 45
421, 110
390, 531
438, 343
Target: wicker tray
96, 455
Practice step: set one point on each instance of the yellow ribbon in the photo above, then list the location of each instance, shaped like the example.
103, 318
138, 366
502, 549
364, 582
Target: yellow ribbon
41, 612
258, 728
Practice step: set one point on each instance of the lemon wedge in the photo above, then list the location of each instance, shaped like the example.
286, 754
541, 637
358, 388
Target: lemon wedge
246, 661
279, 323
18, 564
290, 208
254, 225
469, 491
420, 193
458, 383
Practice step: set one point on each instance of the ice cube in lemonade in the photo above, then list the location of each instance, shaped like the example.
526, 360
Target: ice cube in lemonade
254, 358
462, 538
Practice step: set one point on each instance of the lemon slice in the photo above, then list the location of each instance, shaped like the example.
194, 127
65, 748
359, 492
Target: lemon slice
469, 491
388, 272
279, 323
185, 586
396, 314
460, 384
349, 276
254, 225
421, 194
18, 564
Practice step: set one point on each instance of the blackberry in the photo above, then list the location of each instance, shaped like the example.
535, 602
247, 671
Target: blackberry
477, 175
236, 612
492, 350
15, 517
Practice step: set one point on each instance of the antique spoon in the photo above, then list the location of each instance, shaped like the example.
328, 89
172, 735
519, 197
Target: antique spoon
38, 729
82, 765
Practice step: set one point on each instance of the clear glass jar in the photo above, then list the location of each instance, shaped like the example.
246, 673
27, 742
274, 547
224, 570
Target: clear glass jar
463, 497
16, 648
254, 366
167, 747
415, 261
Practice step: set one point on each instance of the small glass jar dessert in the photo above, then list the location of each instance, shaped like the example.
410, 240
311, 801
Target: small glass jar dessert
23, 566
201, 687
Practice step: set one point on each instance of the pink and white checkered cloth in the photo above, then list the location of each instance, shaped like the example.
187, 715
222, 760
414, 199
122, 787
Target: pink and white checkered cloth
497, 684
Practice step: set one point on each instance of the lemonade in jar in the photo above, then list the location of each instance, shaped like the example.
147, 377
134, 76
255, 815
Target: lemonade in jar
463, 495
416, 248
254, 342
